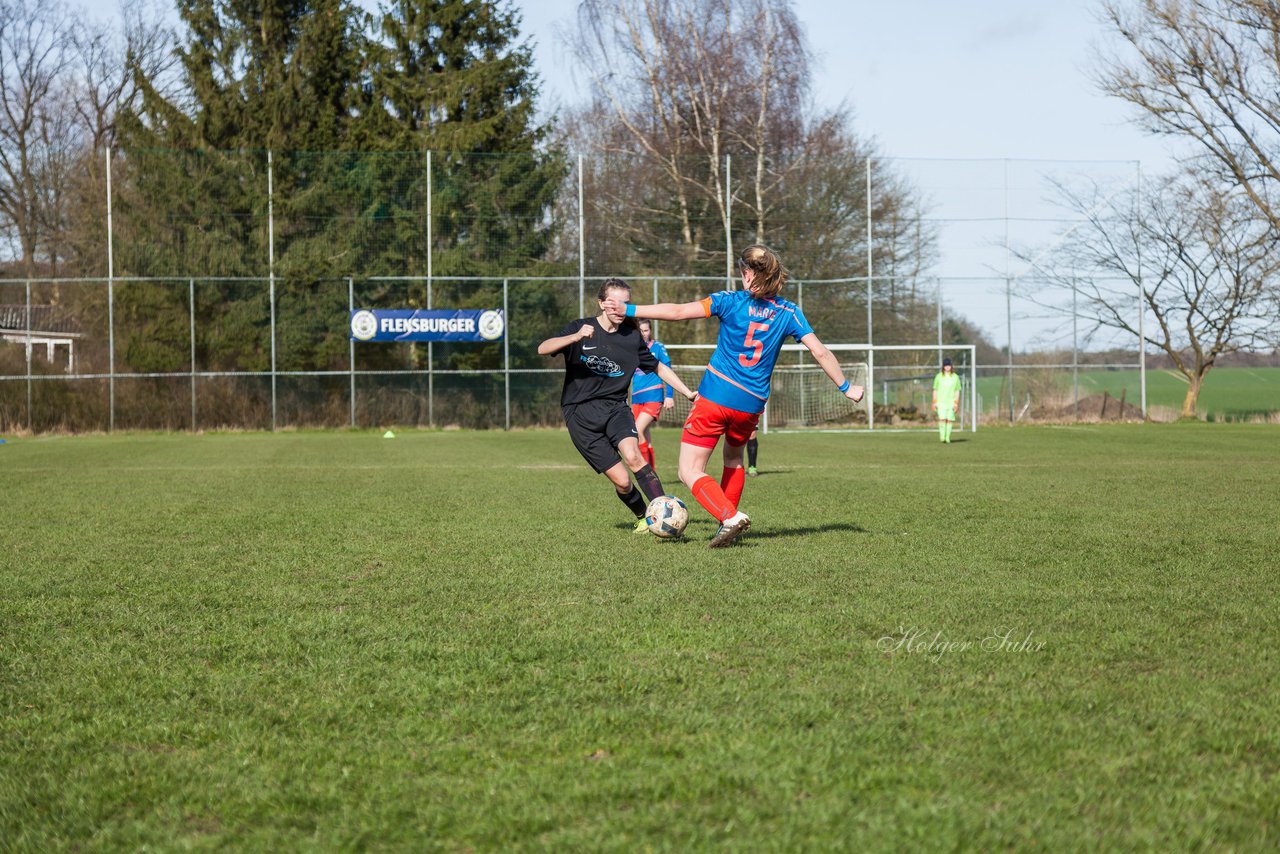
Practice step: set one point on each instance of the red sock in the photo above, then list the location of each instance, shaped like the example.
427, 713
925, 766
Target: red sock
646, 451
732, 482
712, 498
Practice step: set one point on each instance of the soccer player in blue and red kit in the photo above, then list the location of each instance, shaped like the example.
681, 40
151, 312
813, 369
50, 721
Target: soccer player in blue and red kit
649, 394
754, 324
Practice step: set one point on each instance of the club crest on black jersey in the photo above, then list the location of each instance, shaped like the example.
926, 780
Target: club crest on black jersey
602, 365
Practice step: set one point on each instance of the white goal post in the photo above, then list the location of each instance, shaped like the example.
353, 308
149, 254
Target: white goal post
898, 379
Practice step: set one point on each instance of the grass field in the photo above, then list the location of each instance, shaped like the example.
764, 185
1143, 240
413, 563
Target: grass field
1049, 638
1228, 393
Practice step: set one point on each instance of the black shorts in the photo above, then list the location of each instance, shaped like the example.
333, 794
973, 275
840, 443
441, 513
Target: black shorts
597, 427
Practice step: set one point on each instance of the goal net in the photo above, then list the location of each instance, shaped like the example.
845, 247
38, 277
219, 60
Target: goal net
898, 380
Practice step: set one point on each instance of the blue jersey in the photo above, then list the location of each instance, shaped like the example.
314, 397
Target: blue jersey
752, 332
649, 387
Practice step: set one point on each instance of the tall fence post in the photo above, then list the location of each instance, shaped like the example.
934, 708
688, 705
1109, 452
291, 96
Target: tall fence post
1142, 308
191, 319
871, 353
582, 247
973, 389
728, 222
654, 323
111, 308
429, 247
1008, 288
799, 353
28, 349
1008, 318
351, 350
506, 350
431, 368
1075, 350
431, 351
271, 278
939, 304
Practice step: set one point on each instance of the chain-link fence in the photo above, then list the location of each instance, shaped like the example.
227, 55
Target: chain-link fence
215, 287
256, 354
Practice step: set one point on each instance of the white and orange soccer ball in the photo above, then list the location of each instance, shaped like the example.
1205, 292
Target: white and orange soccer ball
667, 517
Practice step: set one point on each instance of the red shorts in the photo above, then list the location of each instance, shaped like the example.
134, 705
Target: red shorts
709, 421
654, 409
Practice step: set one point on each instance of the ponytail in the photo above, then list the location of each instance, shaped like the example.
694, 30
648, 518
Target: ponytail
770, 275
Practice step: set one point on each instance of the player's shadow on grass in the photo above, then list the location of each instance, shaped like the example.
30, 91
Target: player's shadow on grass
766, 533
694, 531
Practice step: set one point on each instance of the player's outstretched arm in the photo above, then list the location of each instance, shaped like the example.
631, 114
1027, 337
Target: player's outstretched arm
558, 343
670, 378
658, 311
831, 367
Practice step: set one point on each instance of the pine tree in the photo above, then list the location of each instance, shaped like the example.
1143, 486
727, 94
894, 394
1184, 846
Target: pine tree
274, 76
450, 76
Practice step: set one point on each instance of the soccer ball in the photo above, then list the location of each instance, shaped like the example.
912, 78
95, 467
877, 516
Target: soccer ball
666, 517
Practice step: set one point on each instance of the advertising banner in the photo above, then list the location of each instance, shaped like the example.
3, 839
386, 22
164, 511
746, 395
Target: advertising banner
408, 324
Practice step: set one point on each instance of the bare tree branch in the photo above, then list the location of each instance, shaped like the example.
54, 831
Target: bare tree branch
681, 87
1207, 71
1200, 259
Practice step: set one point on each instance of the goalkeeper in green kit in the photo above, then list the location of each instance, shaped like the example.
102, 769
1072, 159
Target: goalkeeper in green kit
946, 399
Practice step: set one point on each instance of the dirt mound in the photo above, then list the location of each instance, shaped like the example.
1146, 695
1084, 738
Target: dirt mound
1095, 407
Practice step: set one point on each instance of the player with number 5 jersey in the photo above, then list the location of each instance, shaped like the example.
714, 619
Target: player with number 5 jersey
754, 324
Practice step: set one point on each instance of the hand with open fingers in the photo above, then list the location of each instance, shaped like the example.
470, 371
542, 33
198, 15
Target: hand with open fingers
668, 403
854, 393
612, 306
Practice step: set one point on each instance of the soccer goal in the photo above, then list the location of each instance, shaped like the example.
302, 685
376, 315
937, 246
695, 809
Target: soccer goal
898, 380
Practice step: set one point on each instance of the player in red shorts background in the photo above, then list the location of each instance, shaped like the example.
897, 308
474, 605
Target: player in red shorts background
649, 394
754, 324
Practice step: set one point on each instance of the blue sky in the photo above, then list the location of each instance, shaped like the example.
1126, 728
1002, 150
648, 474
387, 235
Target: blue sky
940, 78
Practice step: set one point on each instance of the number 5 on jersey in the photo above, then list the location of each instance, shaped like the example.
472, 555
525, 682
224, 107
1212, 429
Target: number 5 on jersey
752, 344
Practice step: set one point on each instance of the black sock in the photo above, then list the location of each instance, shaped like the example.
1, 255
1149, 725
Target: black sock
647, 478
753, 445
635, 502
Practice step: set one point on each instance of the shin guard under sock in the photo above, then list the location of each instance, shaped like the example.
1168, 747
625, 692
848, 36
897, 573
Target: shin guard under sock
712, 498
731, 483
647, 479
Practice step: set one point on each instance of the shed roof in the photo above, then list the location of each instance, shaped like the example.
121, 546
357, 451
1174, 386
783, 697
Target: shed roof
45, 319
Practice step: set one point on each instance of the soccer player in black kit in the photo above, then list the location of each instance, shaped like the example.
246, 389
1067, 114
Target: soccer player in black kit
601, 355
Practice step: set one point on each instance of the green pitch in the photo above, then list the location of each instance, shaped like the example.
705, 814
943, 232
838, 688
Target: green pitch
1228, 393
1053, 638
